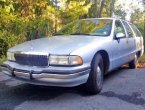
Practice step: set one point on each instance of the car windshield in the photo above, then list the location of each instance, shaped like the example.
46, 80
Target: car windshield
94, 27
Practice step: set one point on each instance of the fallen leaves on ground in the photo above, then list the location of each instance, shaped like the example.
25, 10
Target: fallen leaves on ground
141, 64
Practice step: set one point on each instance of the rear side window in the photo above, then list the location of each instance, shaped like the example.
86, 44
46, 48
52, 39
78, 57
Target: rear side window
136, 31
128, 29
119, 27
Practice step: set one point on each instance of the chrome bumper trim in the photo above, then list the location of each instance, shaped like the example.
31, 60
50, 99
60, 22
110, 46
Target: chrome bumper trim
21, 74
5, 70
51, 79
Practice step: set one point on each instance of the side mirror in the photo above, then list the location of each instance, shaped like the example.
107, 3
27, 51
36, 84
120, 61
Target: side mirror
120, 35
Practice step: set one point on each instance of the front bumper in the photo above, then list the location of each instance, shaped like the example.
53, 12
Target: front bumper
50, 78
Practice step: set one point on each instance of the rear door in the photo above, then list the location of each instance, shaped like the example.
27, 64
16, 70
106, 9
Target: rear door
131, 45
138, 39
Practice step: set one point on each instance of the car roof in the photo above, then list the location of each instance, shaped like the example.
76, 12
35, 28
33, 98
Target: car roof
108, 19
98, 18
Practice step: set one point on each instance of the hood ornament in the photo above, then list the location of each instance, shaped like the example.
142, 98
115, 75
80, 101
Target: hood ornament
31, 46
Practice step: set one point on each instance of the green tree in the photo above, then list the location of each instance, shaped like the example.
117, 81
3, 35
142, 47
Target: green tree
73, 10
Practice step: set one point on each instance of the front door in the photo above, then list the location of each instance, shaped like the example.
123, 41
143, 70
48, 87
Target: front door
120, 46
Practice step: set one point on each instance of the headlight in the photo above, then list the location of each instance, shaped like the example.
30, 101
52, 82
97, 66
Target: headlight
10, 56
65, 60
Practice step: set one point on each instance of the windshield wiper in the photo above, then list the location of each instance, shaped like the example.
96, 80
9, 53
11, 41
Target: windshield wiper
76, 34
80, 34
57, 34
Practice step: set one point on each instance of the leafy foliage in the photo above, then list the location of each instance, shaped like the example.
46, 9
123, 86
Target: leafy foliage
22, 20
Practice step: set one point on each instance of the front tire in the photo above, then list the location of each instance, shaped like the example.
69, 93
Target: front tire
95, 80
133, 63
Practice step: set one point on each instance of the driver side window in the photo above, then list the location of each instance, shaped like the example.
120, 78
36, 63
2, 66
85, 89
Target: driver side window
119, 27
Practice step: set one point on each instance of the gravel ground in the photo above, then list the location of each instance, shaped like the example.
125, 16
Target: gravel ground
124, 89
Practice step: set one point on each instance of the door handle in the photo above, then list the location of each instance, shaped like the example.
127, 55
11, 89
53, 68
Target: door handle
127, 42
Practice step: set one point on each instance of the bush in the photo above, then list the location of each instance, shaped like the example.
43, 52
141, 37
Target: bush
38, 28
18, 31
3, 47
7, 40
2, 59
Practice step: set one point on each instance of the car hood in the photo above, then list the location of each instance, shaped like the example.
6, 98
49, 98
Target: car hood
56, 45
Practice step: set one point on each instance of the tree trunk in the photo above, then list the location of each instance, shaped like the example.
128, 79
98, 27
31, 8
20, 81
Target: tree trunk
56, 6
95, 9
144, 27
101, 8
112, 8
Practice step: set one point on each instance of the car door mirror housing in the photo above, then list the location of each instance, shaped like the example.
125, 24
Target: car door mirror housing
120, 35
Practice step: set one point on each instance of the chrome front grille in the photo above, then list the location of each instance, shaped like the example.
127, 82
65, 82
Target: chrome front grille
32, 60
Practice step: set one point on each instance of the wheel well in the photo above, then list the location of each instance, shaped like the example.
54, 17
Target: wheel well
138, 54
106, 61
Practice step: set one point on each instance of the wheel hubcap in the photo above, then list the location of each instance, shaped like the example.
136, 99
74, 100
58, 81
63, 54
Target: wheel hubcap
99, 76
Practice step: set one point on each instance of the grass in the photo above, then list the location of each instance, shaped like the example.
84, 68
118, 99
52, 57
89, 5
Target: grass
142, 58
141, 61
